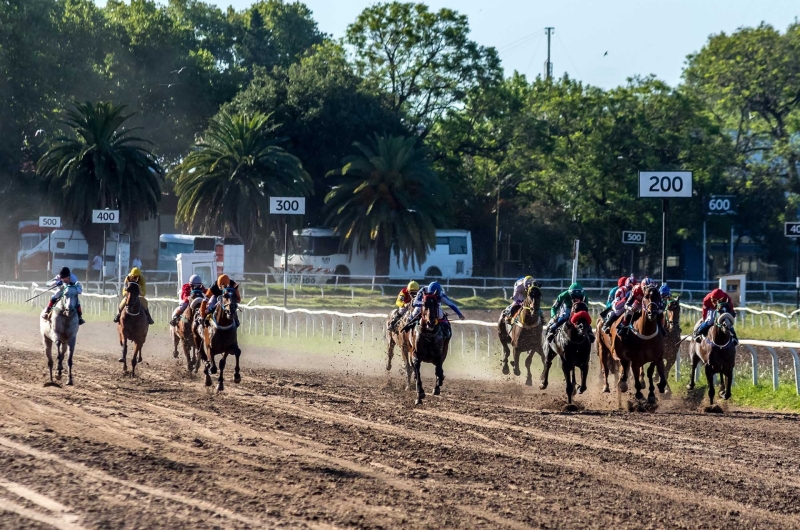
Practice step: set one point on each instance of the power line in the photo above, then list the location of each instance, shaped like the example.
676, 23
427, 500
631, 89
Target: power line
517, 42
568, 56
532, 58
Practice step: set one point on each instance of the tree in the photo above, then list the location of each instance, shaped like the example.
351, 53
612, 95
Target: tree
387, 198
424, 62
224, 183
101, 166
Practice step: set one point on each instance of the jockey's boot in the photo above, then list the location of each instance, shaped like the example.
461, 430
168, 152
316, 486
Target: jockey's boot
551, 333
175, 318
149, 318
607, 324
46, 314
79, 310
116, 318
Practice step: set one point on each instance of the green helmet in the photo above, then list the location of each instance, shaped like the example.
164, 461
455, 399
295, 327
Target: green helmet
576, 287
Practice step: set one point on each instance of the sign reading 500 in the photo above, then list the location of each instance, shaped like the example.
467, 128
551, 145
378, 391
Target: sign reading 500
665, 184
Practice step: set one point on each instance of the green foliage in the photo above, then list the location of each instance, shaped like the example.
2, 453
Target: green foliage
225, 182
387, 197
101, 165
423, 62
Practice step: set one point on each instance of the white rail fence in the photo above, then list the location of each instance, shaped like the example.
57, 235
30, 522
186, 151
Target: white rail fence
471, 338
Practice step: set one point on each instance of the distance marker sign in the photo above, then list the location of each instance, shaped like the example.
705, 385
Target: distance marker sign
791, 229
287, 205
49, 222
105, 216
665, 184
634, 238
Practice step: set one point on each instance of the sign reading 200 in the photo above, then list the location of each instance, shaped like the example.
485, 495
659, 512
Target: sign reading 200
665, 184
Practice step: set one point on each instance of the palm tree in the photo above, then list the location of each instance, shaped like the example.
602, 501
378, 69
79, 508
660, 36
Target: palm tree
225, 183
101, 166
387, 197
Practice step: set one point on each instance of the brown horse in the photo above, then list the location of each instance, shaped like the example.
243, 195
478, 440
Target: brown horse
427, 345
132, 326
219, 338
639, 345
608, 364
718, 353
395, 336
183, 334
524, 333
672, 346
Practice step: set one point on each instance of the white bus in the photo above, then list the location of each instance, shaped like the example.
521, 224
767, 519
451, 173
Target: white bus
229, 251
318, 254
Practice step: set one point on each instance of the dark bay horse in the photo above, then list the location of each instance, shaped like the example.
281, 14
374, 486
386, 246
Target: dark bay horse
132, 326
61, 329
672, 345
395, 336
524, 333
718, 353
573, 345
427, 344
639, 345
183, 334
219, 338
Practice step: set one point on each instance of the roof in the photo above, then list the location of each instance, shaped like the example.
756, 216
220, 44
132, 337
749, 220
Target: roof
328, 232
178, 238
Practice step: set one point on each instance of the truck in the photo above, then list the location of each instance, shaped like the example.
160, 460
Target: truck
229, 251
318, 257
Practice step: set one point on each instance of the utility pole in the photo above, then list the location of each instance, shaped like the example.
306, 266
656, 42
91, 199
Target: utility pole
548, 66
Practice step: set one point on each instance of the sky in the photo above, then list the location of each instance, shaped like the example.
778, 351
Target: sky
641, 37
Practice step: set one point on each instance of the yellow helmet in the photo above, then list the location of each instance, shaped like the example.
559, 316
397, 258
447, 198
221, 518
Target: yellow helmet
223, 280
136, 272
413, 286
528, 278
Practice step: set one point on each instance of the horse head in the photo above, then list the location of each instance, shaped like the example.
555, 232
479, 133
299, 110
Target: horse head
579, 324
651, 302
229, 304
724, 318
132, 293
430, 312
674, 313
531, 307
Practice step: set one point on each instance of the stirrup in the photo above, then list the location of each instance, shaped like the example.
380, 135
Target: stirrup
81, 321
116, 319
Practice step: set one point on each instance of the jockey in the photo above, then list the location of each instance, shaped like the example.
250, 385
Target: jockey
70, 287
632, 305
521, 288
710, 303
618, 304
613, 292
434, 289
189, 291
404, 299
562, 307
215, 291
136, 277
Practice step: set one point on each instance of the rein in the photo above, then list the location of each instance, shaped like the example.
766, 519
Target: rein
128, 307
637, 333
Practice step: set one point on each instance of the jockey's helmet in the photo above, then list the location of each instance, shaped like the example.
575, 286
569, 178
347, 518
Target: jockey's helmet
528, 279
665, 291
435, 288
223, 280
576, 288
64, 272
631, 281
135, 273
622, 281
647, 282
194, 279
413, 287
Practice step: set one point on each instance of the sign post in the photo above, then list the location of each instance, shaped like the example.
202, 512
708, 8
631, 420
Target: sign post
792, 230
632, 238
665, 185
104, 217
286, 206
718, 205
49, 222
576, 247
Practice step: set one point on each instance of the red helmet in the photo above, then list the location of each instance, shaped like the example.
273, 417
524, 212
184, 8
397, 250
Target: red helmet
621, 282
718, 294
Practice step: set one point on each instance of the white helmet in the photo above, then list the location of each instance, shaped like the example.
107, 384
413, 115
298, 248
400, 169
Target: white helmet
195, 280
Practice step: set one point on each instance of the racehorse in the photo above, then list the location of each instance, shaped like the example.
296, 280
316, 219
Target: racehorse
639, 345
132, 326
395, 336
427, 344
219, 337
673, 341
183, 334
61, 329
573, 345
608, 365
718, 353
524, 333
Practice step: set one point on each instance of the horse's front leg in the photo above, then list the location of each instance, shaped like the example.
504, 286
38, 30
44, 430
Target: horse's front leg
502, 334
584, 374
136, 357
693, 371
638, 384
651, 395
624, 368
710, 380
569, 376
176, 338
220, 379
124, 358
439, 378
420, 391
728, 383
60, 354
237, 377
662, 375
407, 362
517, 371
546, 370
390, 351
48, 351
528, 361
69, 361
187, 352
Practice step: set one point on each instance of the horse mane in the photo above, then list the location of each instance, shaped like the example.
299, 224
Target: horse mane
580, 307
581, 316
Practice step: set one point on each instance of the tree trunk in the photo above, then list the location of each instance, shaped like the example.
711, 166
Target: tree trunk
383, 255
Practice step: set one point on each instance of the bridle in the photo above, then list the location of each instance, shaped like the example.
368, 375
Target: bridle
131, 304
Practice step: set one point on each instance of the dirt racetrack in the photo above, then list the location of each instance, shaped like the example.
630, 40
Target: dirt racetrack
333, 446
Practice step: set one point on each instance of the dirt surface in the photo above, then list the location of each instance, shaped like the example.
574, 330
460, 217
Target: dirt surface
332, 446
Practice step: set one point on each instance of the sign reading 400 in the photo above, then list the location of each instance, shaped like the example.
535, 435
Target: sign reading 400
665, 184
105, 216
287, 205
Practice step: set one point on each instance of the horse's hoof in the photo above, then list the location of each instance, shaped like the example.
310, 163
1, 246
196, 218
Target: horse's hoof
121, 360
623, 386
606, 389
208, 380
662, 389
69, 382
175, 354
422, 394
517, 372
418, 401
237, 378
639, 395
529, 381
651, 399
213, 369
542, 386
220, 388
506, 371
436, 391
581, 389
58, 377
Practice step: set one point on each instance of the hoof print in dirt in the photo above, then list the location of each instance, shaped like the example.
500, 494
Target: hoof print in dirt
713, 409
52, 383
572, 407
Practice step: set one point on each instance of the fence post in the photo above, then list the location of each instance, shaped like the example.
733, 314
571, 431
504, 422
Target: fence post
754, 358
774, 355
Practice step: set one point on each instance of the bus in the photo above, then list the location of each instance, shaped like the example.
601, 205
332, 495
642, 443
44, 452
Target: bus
317, 252
229, 251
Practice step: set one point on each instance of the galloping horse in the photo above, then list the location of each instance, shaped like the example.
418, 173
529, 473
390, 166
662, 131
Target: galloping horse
132, 327
573, 345
673, 340
718, 353
640, 345
608, 365
61, 328
395, 336
524, 333
183, 333
427, 345
219, 337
